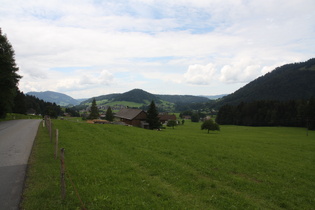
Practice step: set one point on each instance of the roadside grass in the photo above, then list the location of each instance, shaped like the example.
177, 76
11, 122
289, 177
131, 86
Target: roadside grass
118, 167
14, 116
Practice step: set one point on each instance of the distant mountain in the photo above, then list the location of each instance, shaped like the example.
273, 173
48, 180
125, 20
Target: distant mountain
288, 82
183, 98
214, 97
137, 96
54, 97
143, 97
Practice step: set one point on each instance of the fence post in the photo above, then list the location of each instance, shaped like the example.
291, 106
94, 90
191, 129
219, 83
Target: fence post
56, 143
50, 131
43, 123
62, 173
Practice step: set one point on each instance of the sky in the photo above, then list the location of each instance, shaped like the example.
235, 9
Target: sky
87, 48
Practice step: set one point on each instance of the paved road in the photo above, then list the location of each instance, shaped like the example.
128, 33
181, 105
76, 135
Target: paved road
16, 141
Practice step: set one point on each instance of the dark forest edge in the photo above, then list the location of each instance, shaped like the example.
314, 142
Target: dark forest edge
293, 113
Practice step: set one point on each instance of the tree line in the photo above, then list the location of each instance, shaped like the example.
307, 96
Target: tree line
27, 104
295, 113
11, 98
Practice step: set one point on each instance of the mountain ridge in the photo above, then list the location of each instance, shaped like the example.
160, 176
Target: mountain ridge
55, 97
288, 82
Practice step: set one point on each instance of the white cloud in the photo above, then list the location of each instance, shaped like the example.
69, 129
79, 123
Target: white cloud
206, 42
199, 74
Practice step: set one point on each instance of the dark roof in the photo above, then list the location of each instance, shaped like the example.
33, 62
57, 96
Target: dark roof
165, 117
128, 113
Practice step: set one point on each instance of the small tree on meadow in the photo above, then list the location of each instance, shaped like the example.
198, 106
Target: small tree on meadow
171, 123
153, 117
94, 111
210, 125
109, 114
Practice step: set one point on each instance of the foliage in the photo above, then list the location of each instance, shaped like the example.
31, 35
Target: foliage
195, 117
174, 169
94, 114
153, 117
210, 125
72, 112
171, 123
269, 113
288, 82
109, 114
19, 103
8, 76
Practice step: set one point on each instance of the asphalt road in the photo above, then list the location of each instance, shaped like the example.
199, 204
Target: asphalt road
16, 141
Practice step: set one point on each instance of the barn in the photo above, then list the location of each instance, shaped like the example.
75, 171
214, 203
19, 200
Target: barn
165, 117
134, 117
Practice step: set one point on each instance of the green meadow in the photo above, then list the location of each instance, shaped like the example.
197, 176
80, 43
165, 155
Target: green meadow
119, 167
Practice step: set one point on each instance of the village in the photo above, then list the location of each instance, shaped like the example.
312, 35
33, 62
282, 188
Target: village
123, 115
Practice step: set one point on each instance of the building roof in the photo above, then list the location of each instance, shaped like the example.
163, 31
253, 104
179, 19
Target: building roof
128, 113
165, 117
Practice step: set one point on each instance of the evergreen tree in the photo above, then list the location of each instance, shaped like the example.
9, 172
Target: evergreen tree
94, 111
8, 76
153, 117
20, 103
109, 114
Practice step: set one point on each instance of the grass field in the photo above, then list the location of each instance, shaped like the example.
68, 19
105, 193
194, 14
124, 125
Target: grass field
118, 167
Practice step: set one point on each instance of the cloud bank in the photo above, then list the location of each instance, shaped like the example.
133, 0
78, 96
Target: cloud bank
203, 47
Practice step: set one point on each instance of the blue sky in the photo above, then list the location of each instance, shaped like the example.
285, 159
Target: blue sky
87, 48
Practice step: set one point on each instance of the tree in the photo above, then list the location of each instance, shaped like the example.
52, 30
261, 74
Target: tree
109, 114
153, 117
210, 125
8, 76
171, 123
94, 114
195, 117
19, 103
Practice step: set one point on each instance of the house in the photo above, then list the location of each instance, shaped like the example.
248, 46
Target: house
164, 117
134, 117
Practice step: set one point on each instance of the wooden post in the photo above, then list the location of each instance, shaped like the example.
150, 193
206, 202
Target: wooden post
50, 132
43, 123
56, 144
62, 173
307, 127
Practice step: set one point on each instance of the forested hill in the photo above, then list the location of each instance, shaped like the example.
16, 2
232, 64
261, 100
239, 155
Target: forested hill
288, 82
54, 97
141, 96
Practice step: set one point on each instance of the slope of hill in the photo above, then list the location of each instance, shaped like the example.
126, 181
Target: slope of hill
214, 97
54, 97
288, 82
143, 97
137, 96
183, 98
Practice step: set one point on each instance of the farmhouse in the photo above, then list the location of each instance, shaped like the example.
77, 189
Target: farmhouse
134, 117
165, 117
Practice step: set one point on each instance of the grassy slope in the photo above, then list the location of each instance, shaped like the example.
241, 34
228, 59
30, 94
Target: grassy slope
131, 168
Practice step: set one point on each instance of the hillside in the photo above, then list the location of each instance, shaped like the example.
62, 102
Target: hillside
288, 82
183, 98
54, 97
142, 97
